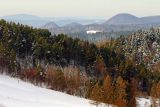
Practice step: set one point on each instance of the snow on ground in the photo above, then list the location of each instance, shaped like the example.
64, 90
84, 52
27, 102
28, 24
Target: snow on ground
16, 93
143, 102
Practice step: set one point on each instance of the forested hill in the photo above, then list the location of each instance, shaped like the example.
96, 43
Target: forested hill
19, 41
104, 74
142, 46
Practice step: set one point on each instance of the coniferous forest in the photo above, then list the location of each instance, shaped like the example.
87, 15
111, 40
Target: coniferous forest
115, 72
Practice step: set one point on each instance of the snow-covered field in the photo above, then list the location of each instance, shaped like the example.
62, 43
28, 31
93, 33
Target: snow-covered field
16, 93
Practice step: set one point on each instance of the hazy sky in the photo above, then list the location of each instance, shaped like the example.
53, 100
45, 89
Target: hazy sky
86, 8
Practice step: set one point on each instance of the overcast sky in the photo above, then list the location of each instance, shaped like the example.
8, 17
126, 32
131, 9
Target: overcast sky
76, 8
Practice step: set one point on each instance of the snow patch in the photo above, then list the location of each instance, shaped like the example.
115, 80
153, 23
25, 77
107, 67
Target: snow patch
143, 102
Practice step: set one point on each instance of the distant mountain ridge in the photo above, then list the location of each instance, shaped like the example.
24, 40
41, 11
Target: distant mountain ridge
37, 21
119, 22
73, 24
50, 25
151, 19
26, 19
127, 19
22, 17
122, 19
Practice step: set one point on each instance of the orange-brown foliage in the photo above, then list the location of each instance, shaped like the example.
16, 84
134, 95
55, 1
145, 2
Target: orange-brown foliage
30, 74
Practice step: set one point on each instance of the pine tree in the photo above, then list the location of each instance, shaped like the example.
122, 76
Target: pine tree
100, 67
132, 89
120, 92
108, 90
97, 94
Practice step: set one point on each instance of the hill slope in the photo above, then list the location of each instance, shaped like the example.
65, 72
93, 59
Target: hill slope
15, 93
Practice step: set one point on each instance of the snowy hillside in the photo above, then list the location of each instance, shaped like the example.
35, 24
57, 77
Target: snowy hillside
16, 93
